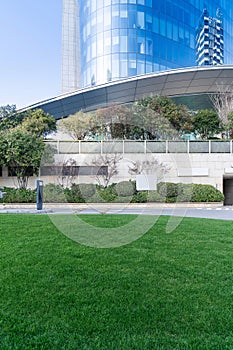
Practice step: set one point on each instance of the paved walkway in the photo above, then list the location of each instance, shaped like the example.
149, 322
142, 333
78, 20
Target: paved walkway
199, 210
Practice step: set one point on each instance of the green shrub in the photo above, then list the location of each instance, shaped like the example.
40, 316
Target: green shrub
154, 196
140, 197
168, 189
185, 192
179, 192
110, 188
87, 190
123, 199
96, 198
80, 193
123, 192
206, 193
125, 188
18, 195
73, 195
53, 194
106, 194
171, 200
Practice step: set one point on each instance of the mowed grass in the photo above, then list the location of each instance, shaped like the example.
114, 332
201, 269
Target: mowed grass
163, 291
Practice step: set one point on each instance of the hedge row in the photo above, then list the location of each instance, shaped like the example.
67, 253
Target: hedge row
16, 195
124, 191
178, 192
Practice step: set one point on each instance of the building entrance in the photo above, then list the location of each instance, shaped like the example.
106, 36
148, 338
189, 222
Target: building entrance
228, 190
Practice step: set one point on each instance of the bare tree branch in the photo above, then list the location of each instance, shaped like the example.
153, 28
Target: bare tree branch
148, 166
67, 174
110, 161
223, 101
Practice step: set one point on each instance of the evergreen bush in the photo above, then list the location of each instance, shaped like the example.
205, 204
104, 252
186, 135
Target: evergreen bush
125, 188
86, 191
140, 197
206, 193
73, 194
124, 191
53, 194
179, 192
154, 196
18, 195
107, 194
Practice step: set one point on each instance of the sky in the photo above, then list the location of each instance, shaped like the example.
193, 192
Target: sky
30, 51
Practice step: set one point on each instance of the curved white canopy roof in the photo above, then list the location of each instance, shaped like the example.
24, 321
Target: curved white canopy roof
174, 83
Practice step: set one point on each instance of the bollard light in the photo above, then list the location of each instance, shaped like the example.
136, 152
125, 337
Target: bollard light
39, 194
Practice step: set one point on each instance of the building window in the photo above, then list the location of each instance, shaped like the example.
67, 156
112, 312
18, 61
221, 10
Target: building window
73, 170
141, 20
123, 43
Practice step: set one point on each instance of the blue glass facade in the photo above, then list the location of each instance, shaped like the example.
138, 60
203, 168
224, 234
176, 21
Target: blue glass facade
131, 37
210, 40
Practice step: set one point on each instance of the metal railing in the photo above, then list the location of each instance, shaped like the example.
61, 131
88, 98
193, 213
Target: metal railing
147, 146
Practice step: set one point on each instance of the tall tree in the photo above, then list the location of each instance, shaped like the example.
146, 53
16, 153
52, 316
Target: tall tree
38, 122
115, 120
34, 121
152, 125
22, 152
178, 116
207, 123
77, 125
9, 118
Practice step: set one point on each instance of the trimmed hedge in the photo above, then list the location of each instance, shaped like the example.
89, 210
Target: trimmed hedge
73, 195
179, 192
105, 194
123, 192
16, 195
79, 193
125, 188
206, 193
154, 196
87, 190
168, 189
140, 197
53, 194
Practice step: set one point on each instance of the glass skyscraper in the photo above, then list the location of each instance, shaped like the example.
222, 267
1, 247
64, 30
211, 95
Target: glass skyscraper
210, 40
105, 40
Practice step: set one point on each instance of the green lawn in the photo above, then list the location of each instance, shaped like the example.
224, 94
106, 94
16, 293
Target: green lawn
163, 291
